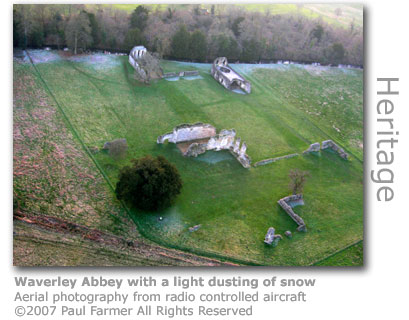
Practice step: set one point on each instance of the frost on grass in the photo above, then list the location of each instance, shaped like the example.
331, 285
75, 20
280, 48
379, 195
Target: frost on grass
189, 78
52, 174
251, 67
41, 56
215, 157
98, 61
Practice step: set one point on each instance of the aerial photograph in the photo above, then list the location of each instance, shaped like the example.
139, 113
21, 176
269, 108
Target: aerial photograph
188, 135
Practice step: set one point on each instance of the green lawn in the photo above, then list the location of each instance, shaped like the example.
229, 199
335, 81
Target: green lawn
351, 256
289, 108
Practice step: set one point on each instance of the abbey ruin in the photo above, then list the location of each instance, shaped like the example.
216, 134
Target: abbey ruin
229, 78
195, 139
146, 66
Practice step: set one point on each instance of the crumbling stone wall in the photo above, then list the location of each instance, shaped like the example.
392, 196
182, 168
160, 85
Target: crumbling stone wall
242, 156
146, 66
285, 204
271, 238
332, 145
188, 132
222, 141
170, 75
225, 140
267, 161
327, 144
181, 74
190, 73
314, 147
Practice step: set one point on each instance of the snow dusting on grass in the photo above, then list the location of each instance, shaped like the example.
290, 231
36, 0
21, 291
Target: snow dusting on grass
98, 61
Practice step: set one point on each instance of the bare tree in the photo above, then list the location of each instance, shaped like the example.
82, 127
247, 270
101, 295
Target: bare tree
252, 35
78, 31
297, 180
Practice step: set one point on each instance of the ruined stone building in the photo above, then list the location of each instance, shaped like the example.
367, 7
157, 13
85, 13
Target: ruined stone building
229, 78
195, 139
146, 66
135, 54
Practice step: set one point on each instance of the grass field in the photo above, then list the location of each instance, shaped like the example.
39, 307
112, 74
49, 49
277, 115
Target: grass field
289, 108
351, 256
57, 188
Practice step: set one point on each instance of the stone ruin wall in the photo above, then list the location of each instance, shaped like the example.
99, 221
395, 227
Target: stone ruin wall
225, 140
315, 147
327, 144
136, 54
187, 132
271, 160
220, 77
181, 74
146, 66
332, 145
285, 204
271, 238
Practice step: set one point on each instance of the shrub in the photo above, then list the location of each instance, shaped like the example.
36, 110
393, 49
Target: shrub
149, 183
118, 148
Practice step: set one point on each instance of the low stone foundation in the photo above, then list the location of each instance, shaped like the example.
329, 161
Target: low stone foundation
327, 144
181, 74
170, 75
271, 160
200, 137
285, 203
315, 147
189, 73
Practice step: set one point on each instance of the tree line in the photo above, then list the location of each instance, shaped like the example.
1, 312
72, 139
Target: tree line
188, 33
